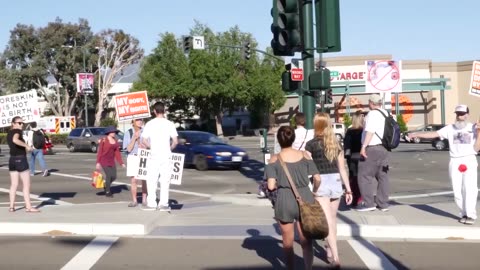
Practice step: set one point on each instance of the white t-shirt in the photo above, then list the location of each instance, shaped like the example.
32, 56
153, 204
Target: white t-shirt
460, 141
302, 135
375, 123
159, 131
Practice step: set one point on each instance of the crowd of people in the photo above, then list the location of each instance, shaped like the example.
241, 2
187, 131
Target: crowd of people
357, 171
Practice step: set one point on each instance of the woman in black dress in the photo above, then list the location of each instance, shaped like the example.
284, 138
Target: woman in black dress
18, 165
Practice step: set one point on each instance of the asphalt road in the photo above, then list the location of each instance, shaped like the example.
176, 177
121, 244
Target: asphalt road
47, 253
416, 170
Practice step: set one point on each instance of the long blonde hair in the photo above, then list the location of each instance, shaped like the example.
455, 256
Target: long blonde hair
323, 128
357, 120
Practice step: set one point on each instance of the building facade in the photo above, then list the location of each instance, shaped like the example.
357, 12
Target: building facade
417, 106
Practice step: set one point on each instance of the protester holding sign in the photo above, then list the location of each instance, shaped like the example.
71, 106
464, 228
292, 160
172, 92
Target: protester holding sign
108, 152
160, 136
18, 165
131, 140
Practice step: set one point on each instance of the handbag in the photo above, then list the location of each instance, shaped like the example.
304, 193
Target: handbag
312, 218
97, 180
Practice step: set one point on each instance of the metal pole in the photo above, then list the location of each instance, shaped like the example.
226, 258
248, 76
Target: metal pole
85, 93
397, 104
442, 100
306, 98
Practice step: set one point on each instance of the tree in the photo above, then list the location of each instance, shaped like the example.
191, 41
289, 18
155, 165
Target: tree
45, 59
214, 81
401, 123
116, 51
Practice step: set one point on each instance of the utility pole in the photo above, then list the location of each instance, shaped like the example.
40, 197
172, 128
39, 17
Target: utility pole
85, 93
306, 96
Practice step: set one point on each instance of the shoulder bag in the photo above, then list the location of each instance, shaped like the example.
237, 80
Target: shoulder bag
312, 218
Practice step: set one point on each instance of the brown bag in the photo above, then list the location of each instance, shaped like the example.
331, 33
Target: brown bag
312, 218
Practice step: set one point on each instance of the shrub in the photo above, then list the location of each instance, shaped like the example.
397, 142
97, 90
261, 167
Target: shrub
347, 120
401, 123
107, 122
55, 138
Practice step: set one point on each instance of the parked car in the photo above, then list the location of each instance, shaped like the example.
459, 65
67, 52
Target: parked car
440, 144
87, 138
433, 127
204, 150
339, 130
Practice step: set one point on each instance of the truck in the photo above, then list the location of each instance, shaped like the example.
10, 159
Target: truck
57, 124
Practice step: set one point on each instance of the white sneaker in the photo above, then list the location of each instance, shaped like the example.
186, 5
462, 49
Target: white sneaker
148, 208
165, 208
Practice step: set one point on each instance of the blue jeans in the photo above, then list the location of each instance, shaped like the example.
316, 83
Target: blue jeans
37, 154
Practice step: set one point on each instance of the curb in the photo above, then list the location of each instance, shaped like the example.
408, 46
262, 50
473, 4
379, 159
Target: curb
241, 199
408, 232
96, 229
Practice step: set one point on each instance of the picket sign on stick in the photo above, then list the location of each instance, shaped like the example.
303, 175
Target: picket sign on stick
176, 166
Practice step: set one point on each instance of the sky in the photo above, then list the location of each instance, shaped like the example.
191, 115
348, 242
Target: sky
441, 31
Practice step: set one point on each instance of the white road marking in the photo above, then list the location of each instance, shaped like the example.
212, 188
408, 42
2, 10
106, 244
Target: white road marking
371, 255
36, 197
117, 183
91, 253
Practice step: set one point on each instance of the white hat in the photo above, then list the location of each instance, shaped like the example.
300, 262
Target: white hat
462, 108
375, 98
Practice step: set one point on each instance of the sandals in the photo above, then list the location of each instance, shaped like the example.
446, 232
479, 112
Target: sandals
133, 204
32, 210
11, 209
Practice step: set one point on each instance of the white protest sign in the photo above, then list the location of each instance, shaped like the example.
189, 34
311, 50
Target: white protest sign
23, 104
383, 76
176, 166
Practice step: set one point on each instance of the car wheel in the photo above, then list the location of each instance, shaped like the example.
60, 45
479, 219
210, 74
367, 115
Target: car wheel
93, 147
416, 140
439, 145
71, 147
339, 137
200, 162
237, 166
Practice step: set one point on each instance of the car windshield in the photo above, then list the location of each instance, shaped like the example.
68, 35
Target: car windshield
97, 131
204, 138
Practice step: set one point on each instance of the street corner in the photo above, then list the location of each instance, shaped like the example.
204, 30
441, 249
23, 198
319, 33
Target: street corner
241, 199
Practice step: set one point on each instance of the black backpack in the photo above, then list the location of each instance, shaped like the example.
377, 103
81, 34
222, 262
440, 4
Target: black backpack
391, 132
38, 139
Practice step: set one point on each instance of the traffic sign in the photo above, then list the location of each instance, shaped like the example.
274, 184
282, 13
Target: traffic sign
297, 74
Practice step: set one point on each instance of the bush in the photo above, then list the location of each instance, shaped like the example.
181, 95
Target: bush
108, 122
347, 120
401, 123
55, 138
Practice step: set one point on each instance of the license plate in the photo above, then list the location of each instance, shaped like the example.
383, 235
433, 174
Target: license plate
236, 158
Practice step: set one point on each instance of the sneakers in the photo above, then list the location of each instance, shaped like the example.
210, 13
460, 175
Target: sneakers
383, 209
469, 221
46, 173
164, 208
364, 208
463, 219
109, 195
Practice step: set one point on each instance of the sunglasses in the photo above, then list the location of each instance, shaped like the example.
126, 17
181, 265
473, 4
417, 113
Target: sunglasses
20, 123
461, 113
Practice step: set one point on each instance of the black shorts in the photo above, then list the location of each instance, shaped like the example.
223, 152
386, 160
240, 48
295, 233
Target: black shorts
18, 164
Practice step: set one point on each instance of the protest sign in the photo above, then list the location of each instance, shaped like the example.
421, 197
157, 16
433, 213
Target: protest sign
131, 106
23, 104
85, 83
176, 166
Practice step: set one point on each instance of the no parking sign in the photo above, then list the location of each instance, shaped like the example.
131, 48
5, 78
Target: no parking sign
383, 76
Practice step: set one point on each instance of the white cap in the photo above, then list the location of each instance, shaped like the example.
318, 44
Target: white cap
462, 108
375, 98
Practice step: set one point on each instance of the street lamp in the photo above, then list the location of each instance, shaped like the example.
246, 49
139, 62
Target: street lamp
85, 94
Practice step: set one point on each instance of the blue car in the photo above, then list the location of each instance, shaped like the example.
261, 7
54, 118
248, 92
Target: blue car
205, 150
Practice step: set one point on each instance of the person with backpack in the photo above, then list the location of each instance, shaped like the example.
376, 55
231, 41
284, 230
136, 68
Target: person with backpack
36, 140
131, 140
374, 156
464, 143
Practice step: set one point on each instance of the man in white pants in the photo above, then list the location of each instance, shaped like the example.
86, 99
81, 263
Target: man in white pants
464, 142
160, 136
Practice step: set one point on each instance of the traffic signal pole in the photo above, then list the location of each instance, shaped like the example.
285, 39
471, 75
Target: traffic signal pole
306, 97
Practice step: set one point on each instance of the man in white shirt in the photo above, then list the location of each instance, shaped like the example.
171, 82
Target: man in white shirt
160, 136
464, 143
302, 135
373, 164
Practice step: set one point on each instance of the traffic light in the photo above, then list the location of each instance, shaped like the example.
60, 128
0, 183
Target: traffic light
287, 84
327, 18
187, 44
247, 52
286, 27
319, 79
329, 96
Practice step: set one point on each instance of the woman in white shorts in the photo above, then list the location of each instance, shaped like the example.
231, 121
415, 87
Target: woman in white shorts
328, 156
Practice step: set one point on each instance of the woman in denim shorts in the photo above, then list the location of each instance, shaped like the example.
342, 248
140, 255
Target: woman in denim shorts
18, 164
328, 156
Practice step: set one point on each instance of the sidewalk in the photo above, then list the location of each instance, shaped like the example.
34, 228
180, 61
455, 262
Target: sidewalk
221, 217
